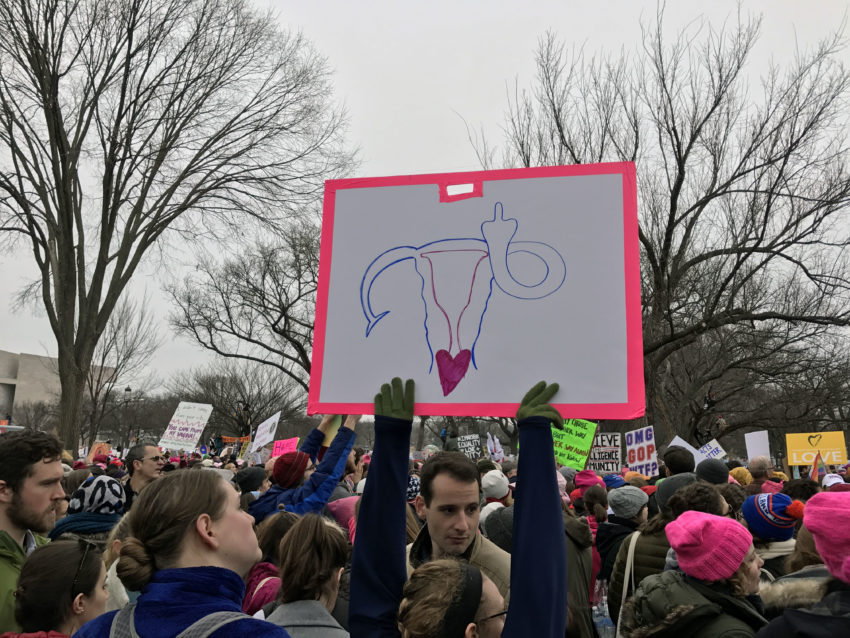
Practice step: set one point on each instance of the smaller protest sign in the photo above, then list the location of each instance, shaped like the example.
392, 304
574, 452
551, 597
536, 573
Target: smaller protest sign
605, 455
804, 447
758, 444
99, 447
711, 450
186, 426
641, 455
283, 446
573, 443
265, 432
470, 444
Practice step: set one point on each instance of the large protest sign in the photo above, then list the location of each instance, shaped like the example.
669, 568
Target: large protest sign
641, 455
803, 448
573, 443
417, 282
186, 426
470, 444
758, 444
605, 455
265, 432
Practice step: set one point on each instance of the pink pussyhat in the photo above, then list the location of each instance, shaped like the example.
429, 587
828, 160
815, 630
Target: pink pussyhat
708, 547
826, 518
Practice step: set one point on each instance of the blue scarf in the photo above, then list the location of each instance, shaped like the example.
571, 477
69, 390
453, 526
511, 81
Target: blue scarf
84, 523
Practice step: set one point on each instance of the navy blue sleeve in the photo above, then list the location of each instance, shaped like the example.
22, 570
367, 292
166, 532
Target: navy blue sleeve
312, 443
378, 564
314, 494
538, 604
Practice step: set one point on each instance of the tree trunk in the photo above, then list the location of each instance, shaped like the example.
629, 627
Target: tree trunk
73, 382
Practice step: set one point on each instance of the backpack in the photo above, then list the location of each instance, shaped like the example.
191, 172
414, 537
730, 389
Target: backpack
123, 625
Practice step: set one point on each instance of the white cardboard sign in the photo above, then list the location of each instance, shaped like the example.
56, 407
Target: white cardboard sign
186, 426
265, 432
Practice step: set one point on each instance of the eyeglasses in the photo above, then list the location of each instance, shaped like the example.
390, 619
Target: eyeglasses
88, 546
312, 467
504, 612
155, 459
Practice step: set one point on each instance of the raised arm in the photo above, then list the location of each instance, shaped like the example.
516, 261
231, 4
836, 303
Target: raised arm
378, 569
538, 604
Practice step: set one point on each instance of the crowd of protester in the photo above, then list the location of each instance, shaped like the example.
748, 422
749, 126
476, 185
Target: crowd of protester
328, 541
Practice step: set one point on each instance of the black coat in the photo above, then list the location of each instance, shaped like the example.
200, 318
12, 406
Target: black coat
827, 619
609, 537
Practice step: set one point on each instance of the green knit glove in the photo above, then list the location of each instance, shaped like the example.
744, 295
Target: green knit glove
536, 403
395, 402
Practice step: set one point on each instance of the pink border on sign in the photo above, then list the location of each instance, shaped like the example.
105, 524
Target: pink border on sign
635, 403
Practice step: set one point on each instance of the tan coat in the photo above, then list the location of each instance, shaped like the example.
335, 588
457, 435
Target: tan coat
493, 561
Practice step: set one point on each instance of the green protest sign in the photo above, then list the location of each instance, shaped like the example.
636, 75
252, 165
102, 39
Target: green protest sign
573, 443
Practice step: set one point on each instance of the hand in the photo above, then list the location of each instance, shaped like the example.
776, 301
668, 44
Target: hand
326, 423
395, 402
351, 421
536, 403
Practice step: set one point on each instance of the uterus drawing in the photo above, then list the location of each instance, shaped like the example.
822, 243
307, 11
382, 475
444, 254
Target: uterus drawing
458, 277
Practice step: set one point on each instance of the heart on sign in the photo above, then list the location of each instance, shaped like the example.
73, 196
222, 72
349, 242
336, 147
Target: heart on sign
814, 439
452, 369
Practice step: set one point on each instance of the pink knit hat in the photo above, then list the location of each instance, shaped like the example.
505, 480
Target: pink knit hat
826, 518
708, 547
587, 479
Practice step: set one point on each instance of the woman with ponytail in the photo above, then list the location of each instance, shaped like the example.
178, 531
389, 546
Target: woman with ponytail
188, 548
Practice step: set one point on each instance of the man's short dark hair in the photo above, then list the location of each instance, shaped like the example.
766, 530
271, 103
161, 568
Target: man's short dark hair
455, 464
486, 465
678, 460
508, 466
21, 450
136, 453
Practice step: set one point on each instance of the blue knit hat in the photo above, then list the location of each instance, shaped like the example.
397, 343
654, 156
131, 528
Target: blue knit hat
613, 481
772, 517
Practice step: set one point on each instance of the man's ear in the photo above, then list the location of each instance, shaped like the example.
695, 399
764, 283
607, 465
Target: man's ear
419, 504
6, 492
471, 631
206, 534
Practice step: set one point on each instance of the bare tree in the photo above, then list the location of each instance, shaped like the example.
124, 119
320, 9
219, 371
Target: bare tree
121, 121
38, 415
122, 355
258, 306
229, 386
741, 188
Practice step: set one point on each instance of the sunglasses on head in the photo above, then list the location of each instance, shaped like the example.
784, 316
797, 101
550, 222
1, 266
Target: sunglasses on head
88, 546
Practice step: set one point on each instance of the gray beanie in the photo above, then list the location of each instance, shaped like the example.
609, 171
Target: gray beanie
567, 472
713, 471
627, 501
670, 486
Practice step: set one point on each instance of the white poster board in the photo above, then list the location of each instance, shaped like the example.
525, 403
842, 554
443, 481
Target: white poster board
711, 450
641, 455
605, 455
758, 444
462, 293
265, 432
186, 426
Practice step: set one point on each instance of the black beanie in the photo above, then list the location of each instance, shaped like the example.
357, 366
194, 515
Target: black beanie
499, 527
713, 471
250, 479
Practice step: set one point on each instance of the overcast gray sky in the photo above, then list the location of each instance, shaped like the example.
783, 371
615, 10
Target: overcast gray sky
408, 72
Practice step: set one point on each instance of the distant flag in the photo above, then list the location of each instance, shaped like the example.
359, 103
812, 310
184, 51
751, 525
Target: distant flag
818, 468
490, 446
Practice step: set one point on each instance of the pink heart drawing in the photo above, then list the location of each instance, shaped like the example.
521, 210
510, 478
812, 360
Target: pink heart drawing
452, 369
814, 439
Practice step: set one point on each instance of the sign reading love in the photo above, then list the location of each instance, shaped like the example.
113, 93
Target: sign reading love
803, 448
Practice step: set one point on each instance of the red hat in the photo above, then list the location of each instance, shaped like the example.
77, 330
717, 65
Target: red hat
100, 458
289, 468
80, 465
649, 490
